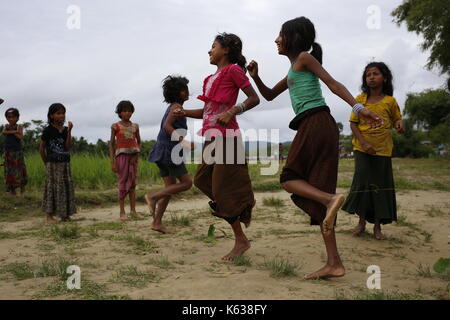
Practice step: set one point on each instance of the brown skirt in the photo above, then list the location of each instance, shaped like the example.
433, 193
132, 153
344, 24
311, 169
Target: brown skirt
226, 183
314, 156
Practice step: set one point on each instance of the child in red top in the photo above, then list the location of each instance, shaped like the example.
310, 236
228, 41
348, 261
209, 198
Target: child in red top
124, 157
225, 181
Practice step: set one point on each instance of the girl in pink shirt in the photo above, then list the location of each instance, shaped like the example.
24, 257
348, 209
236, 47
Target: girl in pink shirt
225, 180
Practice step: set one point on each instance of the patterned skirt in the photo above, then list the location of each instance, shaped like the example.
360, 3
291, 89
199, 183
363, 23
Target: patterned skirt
59, 195
15, 170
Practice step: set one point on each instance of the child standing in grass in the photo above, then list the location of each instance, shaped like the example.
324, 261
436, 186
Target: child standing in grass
124, 148
310, 171
15, 170
223, 175
372, 194
59, 198
172, 131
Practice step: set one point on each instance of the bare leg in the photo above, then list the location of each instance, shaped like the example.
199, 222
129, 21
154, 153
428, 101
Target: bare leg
361, 227
333, 202
123, 215
377, 231
157, 221
241, 243
172, 187
334, 266
133, 204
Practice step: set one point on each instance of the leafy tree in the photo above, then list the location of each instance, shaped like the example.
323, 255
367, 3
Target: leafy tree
428, 109
431, 18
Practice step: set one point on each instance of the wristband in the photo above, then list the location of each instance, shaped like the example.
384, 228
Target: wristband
241, 107
357, 108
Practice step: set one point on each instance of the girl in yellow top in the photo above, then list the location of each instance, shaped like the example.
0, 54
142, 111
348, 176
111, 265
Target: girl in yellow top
372, 194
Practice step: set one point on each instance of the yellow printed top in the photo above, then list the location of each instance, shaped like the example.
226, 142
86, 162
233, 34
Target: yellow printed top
379, 138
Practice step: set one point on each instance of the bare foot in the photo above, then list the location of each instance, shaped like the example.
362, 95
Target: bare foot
151, 204
358, 230
327, 272
160, 228
136, 215
51, 220
238, 250
332, 209
123, 217
378, 235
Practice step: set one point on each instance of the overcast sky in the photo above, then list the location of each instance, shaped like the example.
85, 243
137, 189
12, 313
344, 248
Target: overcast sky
123, 50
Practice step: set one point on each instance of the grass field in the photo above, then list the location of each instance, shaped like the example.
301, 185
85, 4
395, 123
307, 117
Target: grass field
129, 261
95, 183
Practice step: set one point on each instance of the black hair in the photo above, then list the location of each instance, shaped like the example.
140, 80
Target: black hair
388, 88
14, 111
124, 105
234, 45
172, 88
299, 35
54, 108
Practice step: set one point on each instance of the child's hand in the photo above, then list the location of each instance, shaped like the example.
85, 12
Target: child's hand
368, 148
374, 120
114, 167
399, 126
70, 125
188, 144
179, 112
253, 68
224, 118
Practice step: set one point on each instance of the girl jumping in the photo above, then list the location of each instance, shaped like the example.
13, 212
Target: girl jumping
225, 179
310, 172
176, 92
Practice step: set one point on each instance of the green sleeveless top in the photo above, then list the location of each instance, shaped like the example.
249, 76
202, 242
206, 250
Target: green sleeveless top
305, 91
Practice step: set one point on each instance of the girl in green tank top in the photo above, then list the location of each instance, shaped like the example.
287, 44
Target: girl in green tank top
295, 40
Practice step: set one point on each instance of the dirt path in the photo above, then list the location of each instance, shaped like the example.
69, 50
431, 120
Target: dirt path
128, 260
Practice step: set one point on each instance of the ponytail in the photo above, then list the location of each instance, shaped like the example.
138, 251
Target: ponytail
241, 61
317, 52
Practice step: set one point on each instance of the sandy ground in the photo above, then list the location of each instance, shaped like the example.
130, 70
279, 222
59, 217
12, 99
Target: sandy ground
193, 268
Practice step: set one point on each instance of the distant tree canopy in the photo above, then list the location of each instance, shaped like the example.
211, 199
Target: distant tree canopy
431, 19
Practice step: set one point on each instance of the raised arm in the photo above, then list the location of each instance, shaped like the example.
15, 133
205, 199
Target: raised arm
266, 92
307, 61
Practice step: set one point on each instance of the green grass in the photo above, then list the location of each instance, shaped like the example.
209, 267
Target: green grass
69, 231
273, 202
365, 294
424, 271
89, 291
133, 277
242, 261
57, 267
161, 262
20, 270
177, 220
281, 267
139, 244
